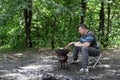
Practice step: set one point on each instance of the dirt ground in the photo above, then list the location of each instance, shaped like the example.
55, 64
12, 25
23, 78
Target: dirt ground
42, 64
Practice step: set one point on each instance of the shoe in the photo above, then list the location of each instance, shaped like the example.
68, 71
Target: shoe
74, 62
83, 71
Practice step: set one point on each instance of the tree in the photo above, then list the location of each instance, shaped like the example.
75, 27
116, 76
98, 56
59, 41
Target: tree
101, 24
28, 17
108, 24
83, 3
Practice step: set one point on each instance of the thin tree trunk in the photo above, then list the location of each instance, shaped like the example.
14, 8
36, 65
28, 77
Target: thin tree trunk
101, 24
108, 27
28, 17
53, 33
83, 10
70, 21
2, 41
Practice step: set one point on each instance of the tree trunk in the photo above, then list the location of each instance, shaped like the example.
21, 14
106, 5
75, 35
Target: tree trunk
53, 33
28, 17
101, 25
83, 10
108, 27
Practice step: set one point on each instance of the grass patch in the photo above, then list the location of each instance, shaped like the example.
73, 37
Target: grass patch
9, 49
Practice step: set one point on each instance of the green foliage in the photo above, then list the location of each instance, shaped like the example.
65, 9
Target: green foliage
67, 13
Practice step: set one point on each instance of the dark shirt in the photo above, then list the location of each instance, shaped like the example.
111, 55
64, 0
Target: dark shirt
89, 37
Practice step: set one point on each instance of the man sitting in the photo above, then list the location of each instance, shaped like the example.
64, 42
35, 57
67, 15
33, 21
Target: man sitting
87, 46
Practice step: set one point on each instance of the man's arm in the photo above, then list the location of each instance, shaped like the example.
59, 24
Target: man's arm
68, 45
78, 44
87, 44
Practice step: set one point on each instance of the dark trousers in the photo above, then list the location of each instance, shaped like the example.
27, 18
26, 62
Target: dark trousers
85, 53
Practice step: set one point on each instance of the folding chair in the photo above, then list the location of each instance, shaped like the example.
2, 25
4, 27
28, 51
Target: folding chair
97, 60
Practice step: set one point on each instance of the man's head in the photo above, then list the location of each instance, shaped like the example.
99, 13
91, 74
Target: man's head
82, 29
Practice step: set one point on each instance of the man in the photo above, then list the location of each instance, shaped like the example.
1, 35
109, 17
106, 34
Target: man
87, 46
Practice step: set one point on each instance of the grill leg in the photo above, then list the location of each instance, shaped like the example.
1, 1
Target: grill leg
62, 64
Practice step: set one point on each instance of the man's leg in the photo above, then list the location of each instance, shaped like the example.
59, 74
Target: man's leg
75, 53
94, 51
86, 52
85, 57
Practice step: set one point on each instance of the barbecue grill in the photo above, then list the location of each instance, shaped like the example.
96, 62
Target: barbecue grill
62, 57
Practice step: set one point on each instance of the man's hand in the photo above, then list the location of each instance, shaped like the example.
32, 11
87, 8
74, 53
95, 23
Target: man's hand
78, 44
68, 45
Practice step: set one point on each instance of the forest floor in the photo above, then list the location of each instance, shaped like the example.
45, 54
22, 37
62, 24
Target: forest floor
42, 64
